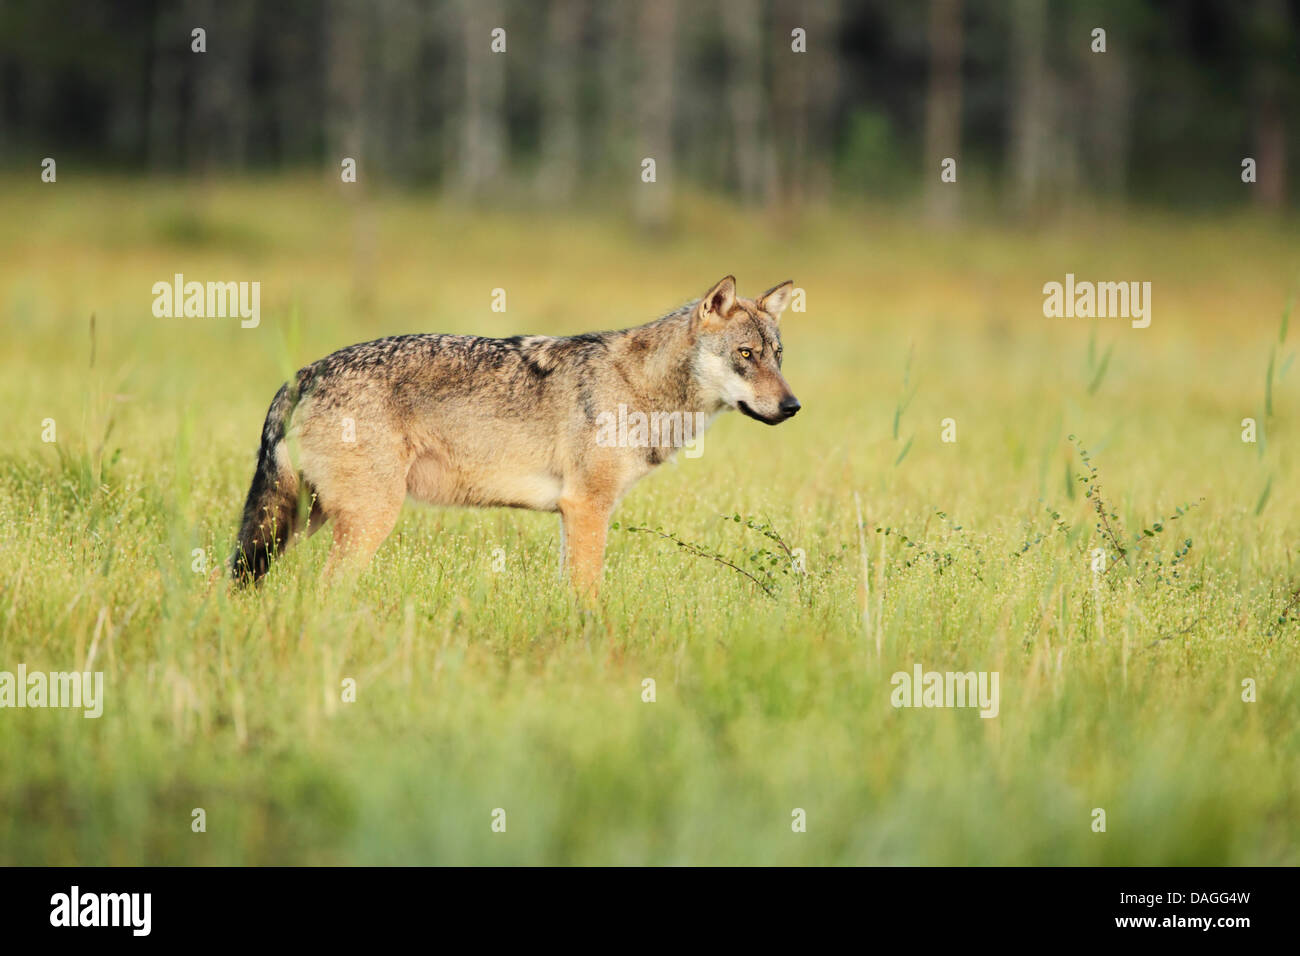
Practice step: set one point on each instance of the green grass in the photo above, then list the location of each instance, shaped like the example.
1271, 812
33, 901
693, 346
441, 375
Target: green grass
481, 689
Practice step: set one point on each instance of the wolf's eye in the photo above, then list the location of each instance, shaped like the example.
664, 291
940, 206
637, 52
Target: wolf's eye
745, 353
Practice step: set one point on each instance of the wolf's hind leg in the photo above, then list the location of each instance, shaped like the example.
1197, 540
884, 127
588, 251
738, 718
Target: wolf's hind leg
359, 533
361, 523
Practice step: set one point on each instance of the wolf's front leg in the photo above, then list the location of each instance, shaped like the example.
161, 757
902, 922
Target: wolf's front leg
586, 522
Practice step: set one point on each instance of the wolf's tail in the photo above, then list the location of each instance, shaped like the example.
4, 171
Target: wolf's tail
271, 511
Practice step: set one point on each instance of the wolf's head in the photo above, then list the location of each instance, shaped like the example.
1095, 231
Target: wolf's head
738, 351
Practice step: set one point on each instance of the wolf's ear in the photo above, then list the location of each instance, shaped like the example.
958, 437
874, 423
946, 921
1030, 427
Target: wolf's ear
774, 300
718, 301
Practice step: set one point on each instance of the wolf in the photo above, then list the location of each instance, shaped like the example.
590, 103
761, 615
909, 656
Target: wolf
471, 421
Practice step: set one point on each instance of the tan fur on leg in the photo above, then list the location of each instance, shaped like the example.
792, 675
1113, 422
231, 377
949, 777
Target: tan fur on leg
586, 523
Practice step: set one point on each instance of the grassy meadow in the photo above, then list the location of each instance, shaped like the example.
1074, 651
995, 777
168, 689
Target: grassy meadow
480, 683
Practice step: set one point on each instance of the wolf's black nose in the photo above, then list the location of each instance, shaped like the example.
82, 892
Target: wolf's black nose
789, 405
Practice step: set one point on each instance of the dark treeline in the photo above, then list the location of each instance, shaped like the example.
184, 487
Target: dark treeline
711, 90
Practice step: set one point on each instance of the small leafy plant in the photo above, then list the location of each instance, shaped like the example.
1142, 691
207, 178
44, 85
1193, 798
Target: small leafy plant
1132, 552
764, 565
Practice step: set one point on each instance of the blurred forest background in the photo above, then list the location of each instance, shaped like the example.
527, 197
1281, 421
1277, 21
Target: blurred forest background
485, 686
712, 90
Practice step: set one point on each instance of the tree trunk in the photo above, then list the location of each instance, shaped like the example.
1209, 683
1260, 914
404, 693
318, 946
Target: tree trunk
823, 89
654, 103
804, 92
344, 82
1271, 30
171, 42
558, 172
1030, 113
943, 108
751, 147
1109, 127
483, 130
219, 121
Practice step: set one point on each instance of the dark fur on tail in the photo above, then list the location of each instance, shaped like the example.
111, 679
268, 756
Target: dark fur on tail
271, 511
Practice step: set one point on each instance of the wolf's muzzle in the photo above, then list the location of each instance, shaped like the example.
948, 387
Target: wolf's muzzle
785, 409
